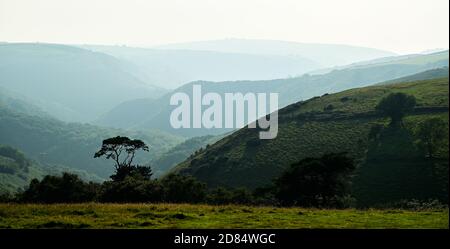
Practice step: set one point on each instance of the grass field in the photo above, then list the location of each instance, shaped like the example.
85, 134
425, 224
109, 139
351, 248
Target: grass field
203, 216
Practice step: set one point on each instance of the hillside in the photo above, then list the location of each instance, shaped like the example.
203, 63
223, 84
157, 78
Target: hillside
17, 170
290, 91
166, 161
69, 82
18, 103
332, 123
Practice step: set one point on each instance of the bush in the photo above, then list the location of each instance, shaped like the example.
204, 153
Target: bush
142, 172
183, 189
7, 197
68, 188
317, 182
131, 189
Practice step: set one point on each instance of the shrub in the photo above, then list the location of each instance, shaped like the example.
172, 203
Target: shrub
131, 189
183, 189
68, 188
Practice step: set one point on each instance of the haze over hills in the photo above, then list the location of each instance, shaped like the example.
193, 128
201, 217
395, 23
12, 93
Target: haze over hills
326, 55
173, 68
290, 91
429, 74
412, 59
115, 87
70, 83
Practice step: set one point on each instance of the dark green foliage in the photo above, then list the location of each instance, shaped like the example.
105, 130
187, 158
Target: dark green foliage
396, 106
6, 197
432, 134
140, 172
183, 189
328, 108
131, 189
222, 196
19, 157
316, 181
396, 169
68, 188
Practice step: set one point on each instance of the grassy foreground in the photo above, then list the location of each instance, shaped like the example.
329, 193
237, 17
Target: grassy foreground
204, 216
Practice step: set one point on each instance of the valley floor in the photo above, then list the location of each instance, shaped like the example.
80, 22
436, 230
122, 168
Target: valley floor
205, 216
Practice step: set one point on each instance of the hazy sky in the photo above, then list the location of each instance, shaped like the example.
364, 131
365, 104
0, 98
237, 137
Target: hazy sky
397, 25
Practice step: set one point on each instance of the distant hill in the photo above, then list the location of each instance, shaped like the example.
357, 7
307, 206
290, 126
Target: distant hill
426, 75
70, 83
333, 123
18, 103
326, 55
169, 68
290, 91
430, 59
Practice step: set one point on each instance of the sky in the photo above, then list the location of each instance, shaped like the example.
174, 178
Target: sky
402, 26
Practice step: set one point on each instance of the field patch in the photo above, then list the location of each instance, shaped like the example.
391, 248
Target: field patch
153, 216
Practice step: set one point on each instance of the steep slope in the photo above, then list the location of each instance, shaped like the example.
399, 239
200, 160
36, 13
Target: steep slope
70, 83
175, 155
332, 123
327, 55
173, 68
290, 90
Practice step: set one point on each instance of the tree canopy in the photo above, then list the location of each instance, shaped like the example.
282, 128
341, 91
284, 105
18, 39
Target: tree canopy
396, 106
116, 147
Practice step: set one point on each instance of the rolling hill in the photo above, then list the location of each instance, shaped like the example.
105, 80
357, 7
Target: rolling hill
70, 83
311, 128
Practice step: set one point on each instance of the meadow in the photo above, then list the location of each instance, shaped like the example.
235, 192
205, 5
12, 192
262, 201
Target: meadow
153, 216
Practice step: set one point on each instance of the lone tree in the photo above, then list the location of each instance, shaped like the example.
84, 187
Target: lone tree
432, 134
123, 150
396, 106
